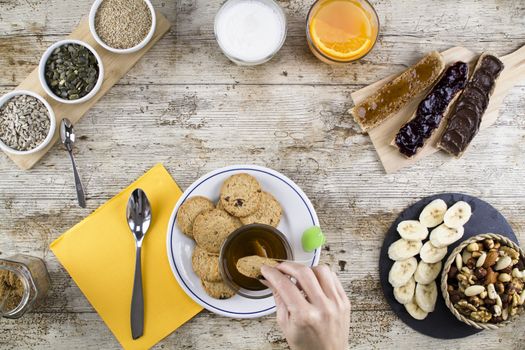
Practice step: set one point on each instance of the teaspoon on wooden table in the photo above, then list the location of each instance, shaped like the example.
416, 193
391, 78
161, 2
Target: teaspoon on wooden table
67, 135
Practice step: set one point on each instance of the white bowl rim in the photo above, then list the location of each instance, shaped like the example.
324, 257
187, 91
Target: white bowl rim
139, 46
52, 122
42, 68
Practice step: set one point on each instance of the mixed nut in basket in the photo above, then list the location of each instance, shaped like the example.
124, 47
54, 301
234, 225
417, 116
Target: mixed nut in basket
483, 281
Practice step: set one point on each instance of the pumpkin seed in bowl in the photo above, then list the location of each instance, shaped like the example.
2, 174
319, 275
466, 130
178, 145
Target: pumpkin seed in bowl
71, 71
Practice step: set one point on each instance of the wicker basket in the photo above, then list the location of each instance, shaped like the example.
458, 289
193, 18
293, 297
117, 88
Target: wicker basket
444, 277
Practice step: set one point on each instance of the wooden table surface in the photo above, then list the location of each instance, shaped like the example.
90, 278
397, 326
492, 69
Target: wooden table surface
184, 104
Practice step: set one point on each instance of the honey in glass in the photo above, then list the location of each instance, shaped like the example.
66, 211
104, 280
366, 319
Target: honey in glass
341, 31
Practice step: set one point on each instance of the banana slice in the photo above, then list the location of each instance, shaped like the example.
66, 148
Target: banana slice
402, 271
412, 230
403, 249
431, 254
458, 214
426, 296
433, 214
443, 236
415, 311
427, 273
405, 293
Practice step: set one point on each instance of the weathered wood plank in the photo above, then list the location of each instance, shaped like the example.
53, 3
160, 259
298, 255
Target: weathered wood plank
369, 330
186, 105
330, 172
173, 61
190, 54
195, 17
305, 132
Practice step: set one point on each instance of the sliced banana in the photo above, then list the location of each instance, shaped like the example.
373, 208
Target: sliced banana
412, 230
403, 249
433, 214
458, 214
415, 311
443, 236
427, 273
402, 271
426, 296
405, 293
431, 254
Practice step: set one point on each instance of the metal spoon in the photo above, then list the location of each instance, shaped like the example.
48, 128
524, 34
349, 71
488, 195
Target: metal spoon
138, 214
68, 138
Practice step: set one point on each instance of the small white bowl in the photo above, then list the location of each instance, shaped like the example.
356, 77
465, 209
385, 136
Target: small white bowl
52, 122
42, 69
92, 14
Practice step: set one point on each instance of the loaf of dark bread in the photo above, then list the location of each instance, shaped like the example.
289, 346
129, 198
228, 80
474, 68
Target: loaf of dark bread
465, 121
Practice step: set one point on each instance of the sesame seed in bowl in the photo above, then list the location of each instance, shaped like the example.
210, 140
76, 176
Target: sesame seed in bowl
122, 26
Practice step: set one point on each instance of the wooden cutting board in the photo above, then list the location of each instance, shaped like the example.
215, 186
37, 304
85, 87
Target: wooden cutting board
383, 135
115, 66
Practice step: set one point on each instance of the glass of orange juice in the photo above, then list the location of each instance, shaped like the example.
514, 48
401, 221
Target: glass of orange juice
341, 31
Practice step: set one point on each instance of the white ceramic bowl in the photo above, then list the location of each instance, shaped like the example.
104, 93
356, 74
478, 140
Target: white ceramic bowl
92, 14
42, 68
52, 122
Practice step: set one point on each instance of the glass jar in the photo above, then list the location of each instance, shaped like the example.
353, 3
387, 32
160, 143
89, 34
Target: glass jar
250, 32
24, 282
341, 31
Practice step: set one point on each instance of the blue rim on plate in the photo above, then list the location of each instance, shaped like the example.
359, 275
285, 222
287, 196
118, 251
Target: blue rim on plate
189, 191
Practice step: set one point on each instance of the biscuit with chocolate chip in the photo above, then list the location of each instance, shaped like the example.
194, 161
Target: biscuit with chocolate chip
269, 212
240, 195
212, 227
217, 290
189, 210
206, 265
250, 266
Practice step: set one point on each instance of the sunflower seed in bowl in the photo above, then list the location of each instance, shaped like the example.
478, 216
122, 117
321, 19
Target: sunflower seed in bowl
25, 122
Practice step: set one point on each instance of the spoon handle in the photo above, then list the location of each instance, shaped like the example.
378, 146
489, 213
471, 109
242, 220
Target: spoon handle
137, 300
78, 184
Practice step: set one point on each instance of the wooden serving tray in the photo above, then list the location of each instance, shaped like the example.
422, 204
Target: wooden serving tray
383, 135
115, 66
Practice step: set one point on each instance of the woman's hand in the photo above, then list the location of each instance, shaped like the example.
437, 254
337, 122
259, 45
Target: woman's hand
314, 312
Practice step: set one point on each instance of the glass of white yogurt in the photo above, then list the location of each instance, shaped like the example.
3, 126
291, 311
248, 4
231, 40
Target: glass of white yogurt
250, 32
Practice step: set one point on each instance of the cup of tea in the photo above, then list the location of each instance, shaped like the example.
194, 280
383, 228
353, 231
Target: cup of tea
255, 239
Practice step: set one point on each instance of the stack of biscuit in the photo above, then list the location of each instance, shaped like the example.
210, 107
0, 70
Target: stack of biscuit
241, 202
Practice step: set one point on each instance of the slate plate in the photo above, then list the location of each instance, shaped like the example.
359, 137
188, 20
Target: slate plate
441, 323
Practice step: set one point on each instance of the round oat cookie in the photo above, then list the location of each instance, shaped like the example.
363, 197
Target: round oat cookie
205, 265
212, 227
240, 195
269, 212
217, 290
237, 220
188, 212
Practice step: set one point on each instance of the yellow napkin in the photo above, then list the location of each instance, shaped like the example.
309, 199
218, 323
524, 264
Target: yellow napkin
99, 254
